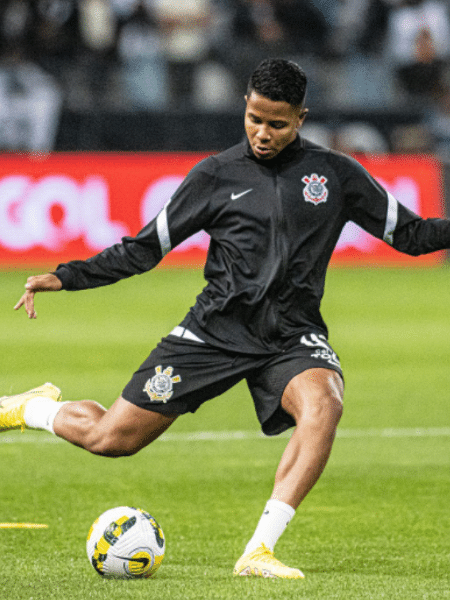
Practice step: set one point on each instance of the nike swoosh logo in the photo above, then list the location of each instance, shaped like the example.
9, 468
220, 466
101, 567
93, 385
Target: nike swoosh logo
236, 196
144, 561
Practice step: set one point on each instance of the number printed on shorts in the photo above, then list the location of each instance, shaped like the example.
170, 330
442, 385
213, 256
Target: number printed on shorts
322, 349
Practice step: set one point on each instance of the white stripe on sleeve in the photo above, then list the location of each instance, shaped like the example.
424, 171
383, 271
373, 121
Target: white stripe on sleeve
162, 227
391, 219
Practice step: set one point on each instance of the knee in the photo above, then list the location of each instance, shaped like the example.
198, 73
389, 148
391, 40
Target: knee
334, 405
324, 410
320, 413
316, 398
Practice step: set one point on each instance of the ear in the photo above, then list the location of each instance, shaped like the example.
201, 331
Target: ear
302, 116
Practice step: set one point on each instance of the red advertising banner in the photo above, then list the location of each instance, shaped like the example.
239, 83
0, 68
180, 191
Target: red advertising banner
71, 206
416, 182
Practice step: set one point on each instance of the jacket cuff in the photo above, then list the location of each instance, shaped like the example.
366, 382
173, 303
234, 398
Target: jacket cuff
64, 275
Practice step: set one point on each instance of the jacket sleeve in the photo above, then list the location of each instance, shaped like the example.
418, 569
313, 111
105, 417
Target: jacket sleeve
187, 212
376, 210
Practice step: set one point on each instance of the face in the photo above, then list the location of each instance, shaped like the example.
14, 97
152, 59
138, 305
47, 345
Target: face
271, 125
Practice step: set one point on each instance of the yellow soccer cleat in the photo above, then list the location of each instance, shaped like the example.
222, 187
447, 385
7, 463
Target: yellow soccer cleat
262, 563
12, 408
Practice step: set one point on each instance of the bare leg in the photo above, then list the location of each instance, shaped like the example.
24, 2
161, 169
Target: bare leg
314, 399
119, 431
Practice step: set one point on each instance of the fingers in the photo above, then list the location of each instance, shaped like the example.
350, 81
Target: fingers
27, 300
37, 283
29, 305
19, 304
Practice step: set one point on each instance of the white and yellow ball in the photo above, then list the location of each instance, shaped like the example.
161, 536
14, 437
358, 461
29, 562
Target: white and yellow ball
125, 543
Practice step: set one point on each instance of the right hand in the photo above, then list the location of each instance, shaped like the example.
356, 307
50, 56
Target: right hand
37, 283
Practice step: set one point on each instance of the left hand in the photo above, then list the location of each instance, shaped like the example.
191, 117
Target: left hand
38, 283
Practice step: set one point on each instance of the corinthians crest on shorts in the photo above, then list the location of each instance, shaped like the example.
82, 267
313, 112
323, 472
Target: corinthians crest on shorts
315, 190
160, 386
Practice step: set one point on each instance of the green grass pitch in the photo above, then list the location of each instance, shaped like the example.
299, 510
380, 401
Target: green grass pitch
377, 524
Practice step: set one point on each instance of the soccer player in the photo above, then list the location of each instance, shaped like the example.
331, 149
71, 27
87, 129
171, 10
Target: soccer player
274, 206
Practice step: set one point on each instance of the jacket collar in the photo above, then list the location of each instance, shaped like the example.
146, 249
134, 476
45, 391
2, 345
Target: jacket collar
283, 157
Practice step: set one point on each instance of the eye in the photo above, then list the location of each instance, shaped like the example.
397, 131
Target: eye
278, 124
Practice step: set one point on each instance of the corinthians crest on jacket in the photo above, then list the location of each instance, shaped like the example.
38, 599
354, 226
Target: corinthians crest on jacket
315, 190
160, 386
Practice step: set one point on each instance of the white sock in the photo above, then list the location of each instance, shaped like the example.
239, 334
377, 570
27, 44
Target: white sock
273, 522
40, 413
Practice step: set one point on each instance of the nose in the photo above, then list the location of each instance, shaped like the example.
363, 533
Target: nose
263, 133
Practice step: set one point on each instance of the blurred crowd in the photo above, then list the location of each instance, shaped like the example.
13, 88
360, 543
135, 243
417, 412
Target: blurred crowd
178, 55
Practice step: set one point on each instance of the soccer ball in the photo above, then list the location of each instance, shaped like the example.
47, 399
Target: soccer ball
125, 543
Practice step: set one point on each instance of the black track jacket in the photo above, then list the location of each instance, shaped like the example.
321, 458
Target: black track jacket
273, 227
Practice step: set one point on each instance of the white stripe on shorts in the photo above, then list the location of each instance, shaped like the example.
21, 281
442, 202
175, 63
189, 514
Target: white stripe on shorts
185, 333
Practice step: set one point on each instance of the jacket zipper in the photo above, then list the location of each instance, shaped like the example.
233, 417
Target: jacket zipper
280, 227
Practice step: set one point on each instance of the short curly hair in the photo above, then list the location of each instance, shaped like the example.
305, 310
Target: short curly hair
279, 80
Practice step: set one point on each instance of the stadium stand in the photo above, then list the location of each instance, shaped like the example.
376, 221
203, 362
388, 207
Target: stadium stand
138, 63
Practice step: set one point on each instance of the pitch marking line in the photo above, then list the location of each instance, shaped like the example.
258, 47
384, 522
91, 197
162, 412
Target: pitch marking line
215, 436
23, 526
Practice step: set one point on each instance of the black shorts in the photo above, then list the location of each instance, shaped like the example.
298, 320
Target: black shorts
183, 372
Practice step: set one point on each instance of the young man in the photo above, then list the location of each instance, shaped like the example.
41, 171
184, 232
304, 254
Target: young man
274, 207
